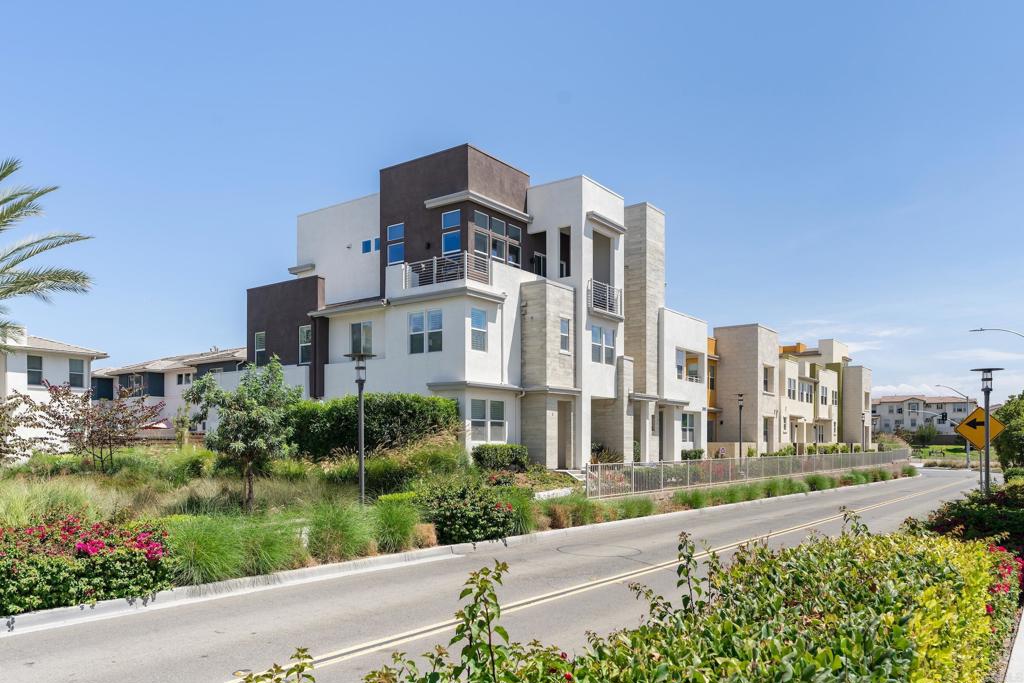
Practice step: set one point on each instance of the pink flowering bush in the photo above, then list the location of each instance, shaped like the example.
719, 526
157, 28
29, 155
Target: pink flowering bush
68, 562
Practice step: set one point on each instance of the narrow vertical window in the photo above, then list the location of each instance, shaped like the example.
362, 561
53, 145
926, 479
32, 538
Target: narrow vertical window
609, 346
563, 334
596, 335
259, 345
35, 370
362, 337
497, 420
478, 419
680, 363
416, 337
396, 253
434, 332
76, 373
451, 242
478, 333
305, 344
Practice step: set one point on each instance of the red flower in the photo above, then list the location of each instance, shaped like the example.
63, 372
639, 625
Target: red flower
568, 676
990, 609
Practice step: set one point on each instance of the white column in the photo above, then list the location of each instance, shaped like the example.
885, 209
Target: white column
673, 436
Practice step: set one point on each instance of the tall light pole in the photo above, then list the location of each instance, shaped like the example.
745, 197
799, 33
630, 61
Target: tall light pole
986, 388
997, 329
967, 409
360, 359
739, 401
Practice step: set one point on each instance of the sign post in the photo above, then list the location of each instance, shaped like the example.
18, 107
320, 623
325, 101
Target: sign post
980, 428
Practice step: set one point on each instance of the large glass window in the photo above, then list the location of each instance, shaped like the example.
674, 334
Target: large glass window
451, 219
497, 420
425, 331
688, 421
602, 344
451, 242
35, 370
396, 253
362, 337
478, 324
396, 232
478, 419
563, 334
305, 344
259, 345
76, 372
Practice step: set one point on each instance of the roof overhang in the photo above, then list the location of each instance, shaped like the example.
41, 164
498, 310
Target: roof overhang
348, 307
477, 198
549, 389
643, 397
606, 222
302, 268
459, 385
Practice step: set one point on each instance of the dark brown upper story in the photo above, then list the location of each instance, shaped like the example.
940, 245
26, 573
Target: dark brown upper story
405, 187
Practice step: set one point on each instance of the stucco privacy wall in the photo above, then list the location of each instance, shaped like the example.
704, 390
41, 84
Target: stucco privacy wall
331, 240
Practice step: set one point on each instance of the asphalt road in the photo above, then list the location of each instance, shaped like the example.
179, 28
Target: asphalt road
558, 588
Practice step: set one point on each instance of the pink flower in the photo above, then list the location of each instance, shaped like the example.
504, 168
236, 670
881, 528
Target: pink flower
990, 609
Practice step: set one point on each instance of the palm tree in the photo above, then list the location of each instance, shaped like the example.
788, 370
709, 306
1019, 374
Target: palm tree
16, 279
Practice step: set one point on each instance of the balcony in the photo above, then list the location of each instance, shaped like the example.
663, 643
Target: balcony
442, 269
603, 298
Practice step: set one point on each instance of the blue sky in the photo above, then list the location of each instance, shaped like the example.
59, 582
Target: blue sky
852, 170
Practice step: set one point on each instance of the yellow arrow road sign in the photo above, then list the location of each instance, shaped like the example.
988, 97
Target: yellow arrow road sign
973, 428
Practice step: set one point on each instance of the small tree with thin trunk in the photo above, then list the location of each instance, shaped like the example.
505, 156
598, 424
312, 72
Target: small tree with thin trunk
12, 417
252, 421
71, 421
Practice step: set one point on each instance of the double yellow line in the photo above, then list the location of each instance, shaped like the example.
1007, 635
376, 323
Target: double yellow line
392, 641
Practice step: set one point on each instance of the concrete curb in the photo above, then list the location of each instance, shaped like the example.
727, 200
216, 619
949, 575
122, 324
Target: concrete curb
1015, 667
107, 609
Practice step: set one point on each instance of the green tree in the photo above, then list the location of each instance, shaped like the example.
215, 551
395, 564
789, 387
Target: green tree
925, 434
17, 278
252, 421
1010, 444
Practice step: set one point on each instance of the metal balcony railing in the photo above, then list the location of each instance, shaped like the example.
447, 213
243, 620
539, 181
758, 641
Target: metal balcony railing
440, 269
603, 297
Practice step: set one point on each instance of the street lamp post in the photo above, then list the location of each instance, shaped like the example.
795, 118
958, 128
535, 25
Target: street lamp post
863, 433
986, 388
967, 408
360, 359
739, 401
997, 329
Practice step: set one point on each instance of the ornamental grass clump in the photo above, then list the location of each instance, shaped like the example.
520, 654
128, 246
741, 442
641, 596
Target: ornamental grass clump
339, 532
395, 518
205, 549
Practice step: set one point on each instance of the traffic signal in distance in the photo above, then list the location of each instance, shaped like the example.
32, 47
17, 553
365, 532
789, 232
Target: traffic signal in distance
943, 417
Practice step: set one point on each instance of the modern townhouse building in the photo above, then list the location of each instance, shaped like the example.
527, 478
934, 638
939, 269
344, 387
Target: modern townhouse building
792, 395
164, 380
892, 413
33, 362
538, 308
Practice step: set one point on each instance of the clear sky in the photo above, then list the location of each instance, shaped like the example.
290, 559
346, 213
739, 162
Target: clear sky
828, 169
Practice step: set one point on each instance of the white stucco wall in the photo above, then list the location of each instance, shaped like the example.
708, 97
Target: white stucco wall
331, 238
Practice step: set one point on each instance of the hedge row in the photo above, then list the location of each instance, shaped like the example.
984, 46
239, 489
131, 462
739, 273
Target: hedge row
323, 428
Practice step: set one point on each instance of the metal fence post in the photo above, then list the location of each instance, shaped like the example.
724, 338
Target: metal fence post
661, 469
598, 480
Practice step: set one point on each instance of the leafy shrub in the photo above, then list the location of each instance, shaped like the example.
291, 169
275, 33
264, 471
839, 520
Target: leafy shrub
980, 516
1013, 473
395, 519
462, 510
392, 420
783, 452
289, 469
69, 562
691, 454
524, 509
441, 456
204, 549
384, 474
820, 482
339, 532
634, 506
921, 609
502, 456
183, 466
501, 478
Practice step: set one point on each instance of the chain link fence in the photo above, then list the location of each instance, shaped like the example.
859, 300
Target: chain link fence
621, 479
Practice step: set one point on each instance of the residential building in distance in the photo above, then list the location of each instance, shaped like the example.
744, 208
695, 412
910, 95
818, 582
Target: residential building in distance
792, 395
33, 362
164, 380
538, 308
908, 413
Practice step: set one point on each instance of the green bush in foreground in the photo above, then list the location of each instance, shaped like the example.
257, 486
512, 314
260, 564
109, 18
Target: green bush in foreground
921, 608
339, 532
395, 519
502, 456
464, 511
1013, 473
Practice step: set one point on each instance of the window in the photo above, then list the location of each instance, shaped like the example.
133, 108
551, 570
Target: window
376, 244
913, 422
791, 387
514, 254
35, 370
425, 331
259, 345
498, 249
497, 226
362, 337
497, 420
915, 407
451, 242
480, 219
692, 367
602, 345
766, 430
396, 253
768, 379
396, 232
835, 397
806, 392
712, 369
76, 373
480, 243
181, 378
940, 406
367, 246
478, 419
892, 410
540, 264
563, 335
687, 420
184, 378
451, 219
305, 344
899, 410
515, 233
136, 384
680, 363
824, 396
478, 325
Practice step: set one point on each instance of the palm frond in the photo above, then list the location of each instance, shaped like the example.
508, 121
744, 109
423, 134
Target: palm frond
42, 282
22, 205
18, 253
8, 166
